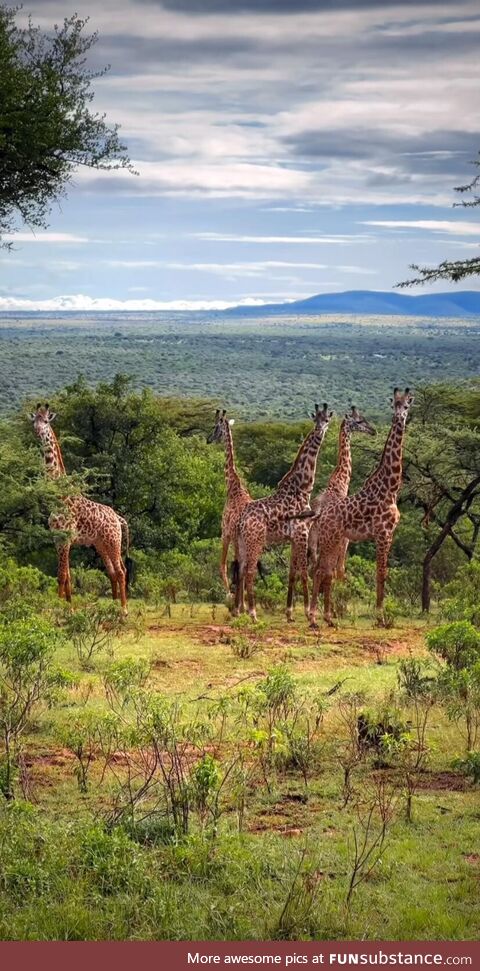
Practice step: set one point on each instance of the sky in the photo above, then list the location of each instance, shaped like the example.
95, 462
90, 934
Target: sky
284, 148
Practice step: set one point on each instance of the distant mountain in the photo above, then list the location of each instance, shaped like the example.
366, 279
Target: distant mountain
461, 303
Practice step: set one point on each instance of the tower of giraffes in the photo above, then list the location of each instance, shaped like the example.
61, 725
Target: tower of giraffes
370, 514
237, 495
263, 521
81, 521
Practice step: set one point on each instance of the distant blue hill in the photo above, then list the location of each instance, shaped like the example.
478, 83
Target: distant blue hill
461, 303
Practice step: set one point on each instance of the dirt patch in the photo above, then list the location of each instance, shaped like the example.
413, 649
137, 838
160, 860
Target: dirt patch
448, 781
59, 757
472, 858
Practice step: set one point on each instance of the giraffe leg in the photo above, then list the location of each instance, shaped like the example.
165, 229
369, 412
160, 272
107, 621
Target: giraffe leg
250, 573
121, 578
312, 613
223, 564
327, 599
291, 583
111, 574
341, 562
64, 579
383, 549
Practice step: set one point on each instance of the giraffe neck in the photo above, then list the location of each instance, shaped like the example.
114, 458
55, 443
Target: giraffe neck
300, 478
232, 478
339, 480
52, 453
386, 480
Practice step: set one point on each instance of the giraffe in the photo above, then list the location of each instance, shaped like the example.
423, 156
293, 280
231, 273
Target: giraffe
86, 523
265, 521
371, 513
237, 495
339, 482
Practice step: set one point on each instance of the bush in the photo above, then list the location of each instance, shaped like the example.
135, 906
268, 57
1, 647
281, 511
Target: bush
92, 630
457, 643
27, 680
470, 766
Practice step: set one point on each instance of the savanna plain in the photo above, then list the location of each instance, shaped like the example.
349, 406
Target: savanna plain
181, 773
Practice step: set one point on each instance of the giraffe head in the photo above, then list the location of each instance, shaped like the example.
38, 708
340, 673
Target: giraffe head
402, 401
322, 416
355, 422
220, 427
42, 417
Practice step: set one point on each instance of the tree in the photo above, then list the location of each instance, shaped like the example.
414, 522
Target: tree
442, 471
47, 127
454, 270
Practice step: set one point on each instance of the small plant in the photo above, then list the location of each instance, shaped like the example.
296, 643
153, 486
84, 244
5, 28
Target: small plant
457, 643
391, 612
350, 750
294, 919
370, 832
27, 681
460, 692
92, 631
245, 647
470, 766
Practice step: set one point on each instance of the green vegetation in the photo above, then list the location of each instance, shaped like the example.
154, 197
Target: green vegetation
180, 774
266, 368
47, 127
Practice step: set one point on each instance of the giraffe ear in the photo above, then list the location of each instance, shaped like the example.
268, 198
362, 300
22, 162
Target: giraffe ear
231, 421
52, 415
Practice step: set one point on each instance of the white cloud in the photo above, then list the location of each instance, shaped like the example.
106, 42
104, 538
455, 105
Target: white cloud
306, 240
435, 225
47, 237
81, 302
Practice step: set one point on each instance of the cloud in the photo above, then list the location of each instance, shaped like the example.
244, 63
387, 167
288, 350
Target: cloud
304, 240
47, 237
434, 225
82, 303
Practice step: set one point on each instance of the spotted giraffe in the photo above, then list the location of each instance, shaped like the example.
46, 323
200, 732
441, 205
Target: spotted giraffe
370, 514
265, 521
339, 482
237, 495
86, 523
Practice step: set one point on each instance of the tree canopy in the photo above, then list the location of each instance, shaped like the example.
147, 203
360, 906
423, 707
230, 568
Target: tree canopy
47, 126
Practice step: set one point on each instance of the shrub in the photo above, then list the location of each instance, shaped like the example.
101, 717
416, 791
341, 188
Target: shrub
457, 643
92, 630
27, 680
470, 766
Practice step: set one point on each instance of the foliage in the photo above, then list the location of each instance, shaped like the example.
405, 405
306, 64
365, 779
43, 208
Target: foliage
47, 127
92, 630
457, 643
470, 766
27, 680
454, 270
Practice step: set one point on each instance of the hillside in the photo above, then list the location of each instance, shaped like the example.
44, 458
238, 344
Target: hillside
459, 303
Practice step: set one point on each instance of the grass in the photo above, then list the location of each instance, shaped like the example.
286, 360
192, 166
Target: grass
64, 876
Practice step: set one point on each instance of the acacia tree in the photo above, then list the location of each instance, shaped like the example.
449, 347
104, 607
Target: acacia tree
47, 127
454, 270
442, 470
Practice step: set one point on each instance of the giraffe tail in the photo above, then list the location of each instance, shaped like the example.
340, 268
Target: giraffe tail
128, 559
262, 572
235, 572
